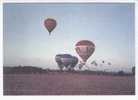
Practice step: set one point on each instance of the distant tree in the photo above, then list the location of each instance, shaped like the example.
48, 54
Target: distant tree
121, 72
19, 66
133, 70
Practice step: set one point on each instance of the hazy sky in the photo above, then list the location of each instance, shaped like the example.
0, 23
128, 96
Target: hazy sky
109, 26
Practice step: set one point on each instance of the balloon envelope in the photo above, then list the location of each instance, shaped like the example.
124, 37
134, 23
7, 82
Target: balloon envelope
85, 49
50, 24
64, 59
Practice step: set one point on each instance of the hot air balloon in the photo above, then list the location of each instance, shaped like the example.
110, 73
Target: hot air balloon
66, 60
50, 24
85, 49
63, 60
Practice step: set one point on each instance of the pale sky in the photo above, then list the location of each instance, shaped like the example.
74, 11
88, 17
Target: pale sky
109, 26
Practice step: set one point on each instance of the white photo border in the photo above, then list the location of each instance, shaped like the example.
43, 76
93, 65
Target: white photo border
99, 97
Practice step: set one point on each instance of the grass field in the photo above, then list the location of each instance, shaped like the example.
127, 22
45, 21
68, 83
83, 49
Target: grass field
65, 83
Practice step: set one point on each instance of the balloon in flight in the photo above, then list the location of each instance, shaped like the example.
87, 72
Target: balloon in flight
85, 49
50, 24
